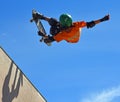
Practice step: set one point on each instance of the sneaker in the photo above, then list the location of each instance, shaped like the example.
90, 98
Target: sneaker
38, 16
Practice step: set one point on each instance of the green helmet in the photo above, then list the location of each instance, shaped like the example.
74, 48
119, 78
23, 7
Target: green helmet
65, 20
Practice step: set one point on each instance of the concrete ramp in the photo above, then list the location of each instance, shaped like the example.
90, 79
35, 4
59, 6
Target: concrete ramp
14, 86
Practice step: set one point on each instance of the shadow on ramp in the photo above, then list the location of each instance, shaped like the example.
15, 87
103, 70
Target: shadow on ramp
9, 93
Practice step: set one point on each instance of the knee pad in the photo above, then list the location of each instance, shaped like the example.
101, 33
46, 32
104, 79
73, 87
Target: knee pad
54, 30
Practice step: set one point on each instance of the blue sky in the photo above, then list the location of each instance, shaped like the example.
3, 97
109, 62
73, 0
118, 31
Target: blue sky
87, 71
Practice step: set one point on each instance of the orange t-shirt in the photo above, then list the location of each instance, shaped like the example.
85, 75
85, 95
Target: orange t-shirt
71, 34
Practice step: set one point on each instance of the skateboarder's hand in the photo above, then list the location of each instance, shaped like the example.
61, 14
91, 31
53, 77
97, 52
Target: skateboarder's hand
107, 17
47, 40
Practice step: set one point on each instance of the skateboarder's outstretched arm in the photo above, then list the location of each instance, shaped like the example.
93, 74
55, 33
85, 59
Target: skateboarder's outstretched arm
93, 23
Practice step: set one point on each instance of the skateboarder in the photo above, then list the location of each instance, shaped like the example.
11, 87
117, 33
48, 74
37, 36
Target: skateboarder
65, 28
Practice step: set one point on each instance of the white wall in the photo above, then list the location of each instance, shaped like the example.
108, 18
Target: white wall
14, 86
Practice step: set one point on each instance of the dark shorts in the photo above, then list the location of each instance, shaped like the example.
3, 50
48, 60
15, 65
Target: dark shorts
55, 26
